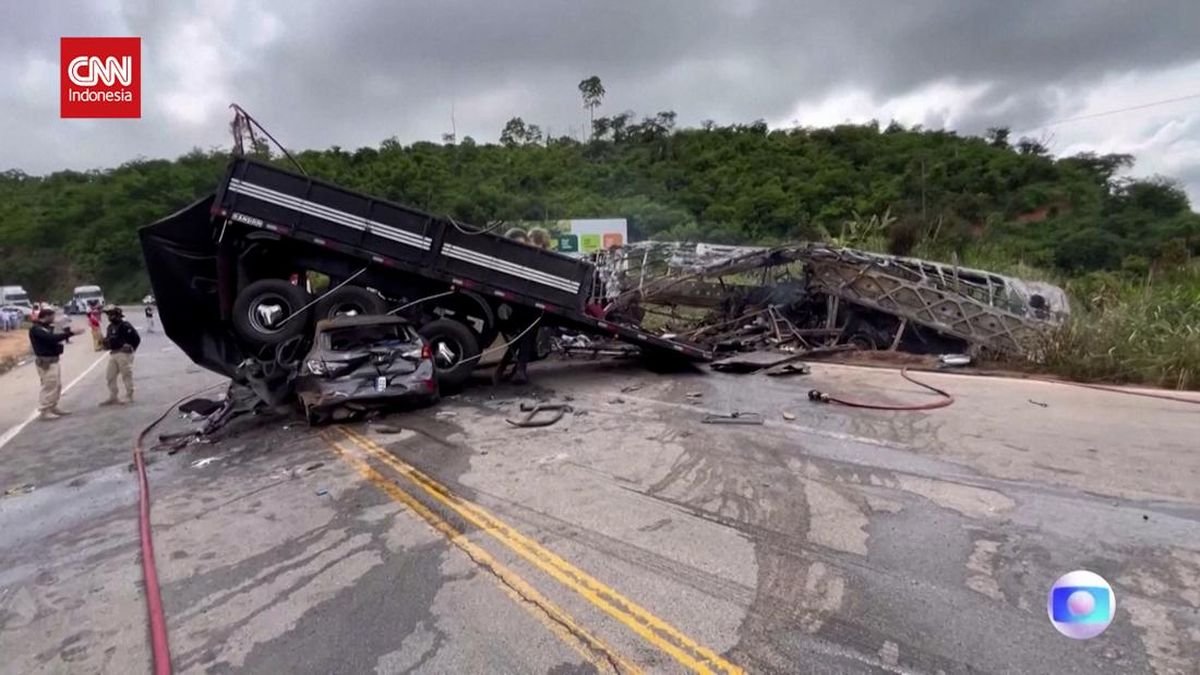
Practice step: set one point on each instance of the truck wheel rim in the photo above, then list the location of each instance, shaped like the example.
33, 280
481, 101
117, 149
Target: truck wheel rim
268, 313
446, 352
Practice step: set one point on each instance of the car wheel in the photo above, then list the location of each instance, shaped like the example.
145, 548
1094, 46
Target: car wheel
455, 351
268, 312
349, 301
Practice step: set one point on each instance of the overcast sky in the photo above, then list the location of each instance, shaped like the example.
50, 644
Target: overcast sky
355, 72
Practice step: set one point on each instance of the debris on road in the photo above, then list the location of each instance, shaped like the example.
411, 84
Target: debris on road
788, 416
19, 490
788, 369
749, 362
1039, 403
201, 463
954, 360
817, 396
202, 407
530, 420
735, 417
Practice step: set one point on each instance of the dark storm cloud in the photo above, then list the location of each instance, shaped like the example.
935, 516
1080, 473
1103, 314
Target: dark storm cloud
402, 63
358, 71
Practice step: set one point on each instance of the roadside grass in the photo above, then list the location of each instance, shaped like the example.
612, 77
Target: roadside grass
1131, 331
1124, 328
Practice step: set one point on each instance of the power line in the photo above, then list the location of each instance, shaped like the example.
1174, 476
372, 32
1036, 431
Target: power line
1117, 111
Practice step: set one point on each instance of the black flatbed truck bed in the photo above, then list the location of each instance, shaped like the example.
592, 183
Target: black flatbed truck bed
196, 258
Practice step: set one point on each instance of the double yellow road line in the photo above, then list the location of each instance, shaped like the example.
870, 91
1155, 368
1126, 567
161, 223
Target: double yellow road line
654, 630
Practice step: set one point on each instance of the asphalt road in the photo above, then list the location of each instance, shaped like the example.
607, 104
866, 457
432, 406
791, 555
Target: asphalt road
629, 536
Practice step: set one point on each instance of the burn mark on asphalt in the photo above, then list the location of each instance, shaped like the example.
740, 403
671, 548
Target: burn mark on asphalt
655, 526
792, 593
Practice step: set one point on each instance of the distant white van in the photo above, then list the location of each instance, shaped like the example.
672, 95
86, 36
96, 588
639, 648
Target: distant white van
84, 298
16, 296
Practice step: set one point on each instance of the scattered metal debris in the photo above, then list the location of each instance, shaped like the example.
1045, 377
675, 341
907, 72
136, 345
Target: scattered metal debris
954, 360
788, 369
735, 417
201, 463
749, 362
810, 296
201, 406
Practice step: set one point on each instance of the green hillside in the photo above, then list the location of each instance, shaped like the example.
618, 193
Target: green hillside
985, 202
918, 191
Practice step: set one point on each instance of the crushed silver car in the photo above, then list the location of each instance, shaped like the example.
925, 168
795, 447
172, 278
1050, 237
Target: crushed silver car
359, 363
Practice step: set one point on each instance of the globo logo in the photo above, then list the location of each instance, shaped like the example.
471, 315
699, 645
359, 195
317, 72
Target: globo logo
1081, 604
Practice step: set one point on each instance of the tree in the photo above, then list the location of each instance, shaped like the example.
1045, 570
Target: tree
1089, 249
593, 93
998, 136
1032, 146
517, 132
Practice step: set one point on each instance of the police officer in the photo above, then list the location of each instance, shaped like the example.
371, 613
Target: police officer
47, 348
121, 341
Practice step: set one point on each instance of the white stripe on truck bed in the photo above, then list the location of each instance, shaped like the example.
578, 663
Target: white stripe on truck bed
339, 217
401, 236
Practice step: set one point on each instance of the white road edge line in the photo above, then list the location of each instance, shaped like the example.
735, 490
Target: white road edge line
20, 426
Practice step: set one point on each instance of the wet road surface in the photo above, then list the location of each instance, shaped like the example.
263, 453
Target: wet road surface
627, 537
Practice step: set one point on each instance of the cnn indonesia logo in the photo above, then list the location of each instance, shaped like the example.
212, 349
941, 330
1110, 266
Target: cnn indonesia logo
100, 77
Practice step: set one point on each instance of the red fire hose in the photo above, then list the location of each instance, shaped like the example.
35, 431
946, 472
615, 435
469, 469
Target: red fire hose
947, 399
159, 645
158, 620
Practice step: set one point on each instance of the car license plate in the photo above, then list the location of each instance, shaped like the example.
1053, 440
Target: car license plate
380, 383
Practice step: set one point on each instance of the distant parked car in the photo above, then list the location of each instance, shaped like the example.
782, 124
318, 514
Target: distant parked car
148, 300
363, 362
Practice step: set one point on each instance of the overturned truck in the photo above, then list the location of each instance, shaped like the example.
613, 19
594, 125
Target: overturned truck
236, 278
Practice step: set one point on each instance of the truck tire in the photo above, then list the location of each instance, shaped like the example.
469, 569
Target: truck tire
545, 343
260, 311
455, 351
349, 301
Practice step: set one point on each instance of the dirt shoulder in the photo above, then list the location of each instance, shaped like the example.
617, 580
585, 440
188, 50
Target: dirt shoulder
14, 345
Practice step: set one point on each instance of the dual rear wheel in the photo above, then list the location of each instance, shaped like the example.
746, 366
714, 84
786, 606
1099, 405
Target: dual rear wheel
270, 312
